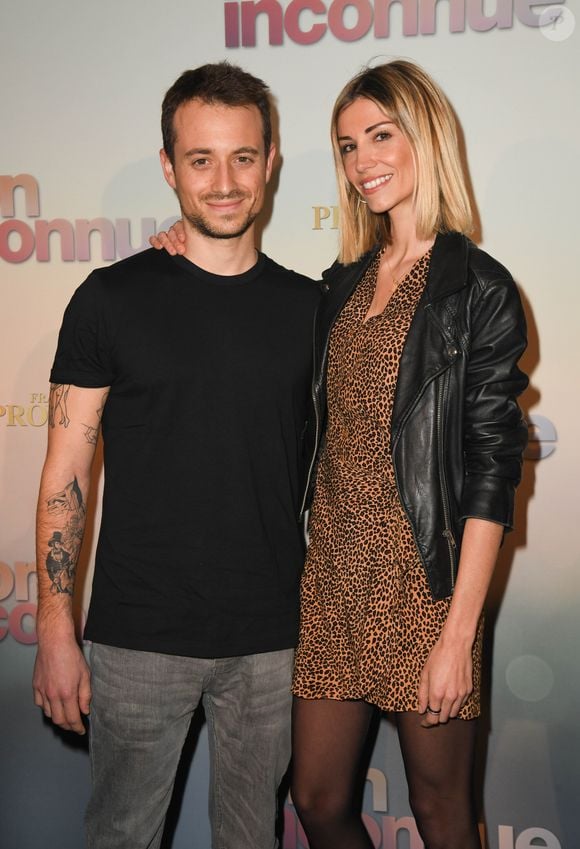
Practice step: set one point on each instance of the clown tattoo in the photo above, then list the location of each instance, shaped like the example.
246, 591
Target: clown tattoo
61, 560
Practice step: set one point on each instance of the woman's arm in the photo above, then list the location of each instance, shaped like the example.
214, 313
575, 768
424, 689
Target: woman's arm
494, 431
446, 681
494, 437
173, 241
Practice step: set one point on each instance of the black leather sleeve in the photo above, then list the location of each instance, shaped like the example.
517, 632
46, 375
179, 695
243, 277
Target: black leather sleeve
495, 433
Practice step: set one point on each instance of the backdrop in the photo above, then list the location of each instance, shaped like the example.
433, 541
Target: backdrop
80, 186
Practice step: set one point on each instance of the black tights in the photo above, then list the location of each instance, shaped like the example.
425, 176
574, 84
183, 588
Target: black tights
328, 744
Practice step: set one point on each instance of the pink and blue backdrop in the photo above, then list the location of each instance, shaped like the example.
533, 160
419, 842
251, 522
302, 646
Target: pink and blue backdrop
80, 186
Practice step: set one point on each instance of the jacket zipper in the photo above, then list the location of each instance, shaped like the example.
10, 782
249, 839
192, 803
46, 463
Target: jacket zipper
447, 533
411, 525
314, 453
316, 417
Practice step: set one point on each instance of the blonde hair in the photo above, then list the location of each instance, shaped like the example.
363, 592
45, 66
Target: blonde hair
416, 104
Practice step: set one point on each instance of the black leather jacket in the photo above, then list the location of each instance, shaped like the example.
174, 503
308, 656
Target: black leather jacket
457, 433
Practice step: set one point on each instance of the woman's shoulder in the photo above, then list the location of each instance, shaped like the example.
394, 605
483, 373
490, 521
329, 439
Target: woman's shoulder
339, 270
486, 268
456, 257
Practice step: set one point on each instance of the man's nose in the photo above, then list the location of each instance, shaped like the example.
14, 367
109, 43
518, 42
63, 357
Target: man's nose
224, 179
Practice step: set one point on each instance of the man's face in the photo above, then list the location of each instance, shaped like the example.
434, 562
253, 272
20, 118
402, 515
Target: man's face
220, 168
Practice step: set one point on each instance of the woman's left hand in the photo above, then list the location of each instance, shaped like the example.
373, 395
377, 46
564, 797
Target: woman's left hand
446, 682
173, 241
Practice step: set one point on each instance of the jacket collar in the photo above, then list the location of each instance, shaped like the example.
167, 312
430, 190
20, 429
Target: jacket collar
448, 266
447, 270
340, 281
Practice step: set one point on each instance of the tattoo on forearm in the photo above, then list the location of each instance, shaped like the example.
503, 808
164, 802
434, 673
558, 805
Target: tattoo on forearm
92, 433
65, 544
102, 407
57, 404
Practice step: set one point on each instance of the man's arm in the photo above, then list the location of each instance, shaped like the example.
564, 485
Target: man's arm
61, 676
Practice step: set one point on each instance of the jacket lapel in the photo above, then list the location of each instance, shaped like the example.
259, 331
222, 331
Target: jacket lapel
430, 346
338, 283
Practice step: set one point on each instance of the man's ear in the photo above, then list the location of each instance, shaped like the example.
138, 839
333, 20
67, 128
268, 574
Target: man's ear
167, 167
270, 161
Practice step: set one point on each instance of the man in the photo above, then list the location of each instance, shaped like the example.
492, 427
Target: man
199, 367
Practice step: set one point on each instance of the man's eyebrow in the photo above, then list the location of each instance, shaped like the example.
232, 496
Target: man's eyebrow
206, 151
247, 149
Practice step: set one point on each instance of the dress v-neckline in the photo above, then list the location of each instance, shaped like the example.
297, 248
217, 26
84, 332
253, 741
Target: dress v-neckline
368, 318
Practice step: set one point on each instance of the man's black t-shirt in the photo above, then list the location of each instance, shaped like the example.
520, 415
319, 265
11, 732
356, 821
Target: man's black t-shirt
200, 548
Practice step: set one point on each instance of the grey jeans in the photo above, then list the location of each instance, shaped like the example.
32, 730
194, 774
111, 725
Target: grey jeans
141, 710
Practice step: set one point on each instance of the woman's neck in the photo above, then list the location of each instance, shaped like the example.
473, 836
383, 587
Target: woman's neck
405, 245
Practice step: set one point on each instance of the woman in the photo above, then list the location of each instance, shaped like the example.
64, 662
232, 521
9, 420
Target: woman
417, 448
416, 346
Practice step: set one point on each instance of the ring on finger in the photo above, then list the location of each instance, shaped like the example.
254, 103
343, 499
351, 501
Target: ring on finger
434, 712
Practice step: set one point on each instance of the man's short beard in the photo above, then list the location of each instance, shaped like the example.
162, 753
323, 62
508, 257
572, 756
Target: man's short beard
202, 226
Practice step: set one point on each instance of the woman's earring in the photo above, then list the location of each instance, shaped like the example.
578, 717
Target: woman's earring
359, 200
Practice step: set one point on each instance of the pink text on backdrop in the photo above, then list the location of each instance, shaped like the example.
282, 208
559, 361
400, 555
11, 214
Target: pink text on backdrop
307, 21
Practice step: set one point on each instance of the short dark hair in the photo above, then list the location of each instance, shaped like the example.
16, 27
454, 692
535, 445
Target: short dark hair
216, 83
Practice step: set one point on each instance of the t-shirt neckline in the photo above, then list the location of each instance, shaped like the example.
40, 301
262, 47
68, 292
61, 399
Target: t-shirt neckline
219, 279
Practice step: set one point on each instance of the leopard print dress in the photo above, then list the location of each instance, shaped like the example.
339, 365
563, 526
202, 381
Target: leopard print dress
368, 621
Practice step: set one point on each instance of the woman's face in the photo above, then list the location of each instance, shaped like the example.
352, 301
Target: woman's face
378, 160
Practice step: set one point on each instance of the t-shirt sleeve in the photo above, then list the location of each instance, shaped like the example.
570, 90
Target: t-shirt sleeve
83, 355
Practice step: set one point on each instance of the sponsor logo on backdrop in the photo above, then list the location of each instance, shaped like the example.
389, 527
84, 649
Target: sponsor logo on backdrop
32, 414
389, 832
18, 602
33, 237
542, 438
557, 23
306, 22
325, 218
